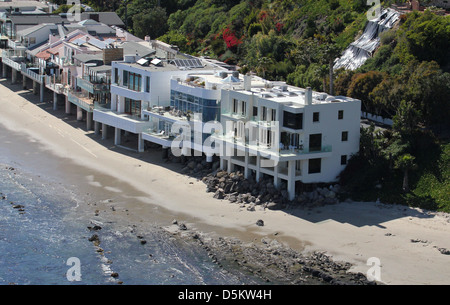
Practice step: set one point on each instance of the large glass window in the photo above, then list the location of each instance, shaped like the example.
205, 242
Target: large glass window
133, 107
209, 109
315, 142
293, 120
132, 81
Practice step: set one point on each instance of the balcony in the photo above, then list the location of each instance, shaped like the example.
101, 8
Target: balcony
123, 121
279, 153
128, 93
30, 72
152, 134
16, 45
92, 87
235, 116
81, 101
11, 61
54, 83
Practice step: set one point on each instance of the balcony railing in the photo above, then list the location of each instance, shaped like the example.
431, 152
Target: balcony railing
124, 121
91, 86
129, 93
270, 149
54, 84
31, 74
9, 62
81, 101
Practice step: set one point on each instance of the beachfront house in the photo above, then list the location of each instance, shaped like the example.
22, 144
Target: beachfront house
288, 133
141, 96
194, 101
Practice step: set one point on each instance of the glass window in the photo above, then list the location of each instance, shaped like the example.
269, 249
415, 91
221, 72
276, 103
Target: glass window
343, 159
293, 120
314, 166
340, 114
344, 136
255, 111
125, 78
316, 117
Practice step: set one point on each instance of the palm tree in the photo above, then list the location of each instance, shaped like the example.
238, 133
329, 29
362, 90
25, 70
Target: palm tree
263, 64
406, 163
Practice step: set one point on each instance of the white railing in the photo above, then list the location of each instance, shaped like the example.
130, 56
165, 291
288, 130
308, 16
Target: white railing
15, 65
14, 44
89, 107
31, 74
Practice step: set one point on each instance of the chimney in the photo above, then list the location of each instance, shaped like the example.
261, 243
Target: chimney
308, 96
247, 82
147, 38
112, 54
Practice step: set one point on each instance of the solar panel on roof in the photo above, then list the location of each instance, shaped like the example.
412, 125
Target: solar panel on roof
97, 43
187, 63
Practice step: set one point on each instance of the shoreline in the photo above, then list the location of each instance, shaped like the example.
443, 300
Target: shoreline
350, 232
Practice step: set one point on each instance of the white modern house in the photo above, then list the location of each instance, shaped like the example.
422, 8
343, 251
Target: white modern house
288, 133
141, 93
194, 102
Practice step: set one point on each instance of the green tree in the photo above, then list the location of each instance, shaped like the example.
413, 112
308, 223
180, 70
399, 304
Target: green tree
405, 163
152, 22
406, 119
362, 85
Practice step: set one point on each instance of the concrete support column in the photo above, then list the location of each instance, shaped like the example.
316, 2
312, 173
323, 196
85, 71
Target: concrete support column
117, 136
222, 162
4, 70
35, 87
79, 113
140, 143
291, 179
246, 169
13, 76
165, 152
89, 120
41, 92
258, 168
24, 81
230, 166
104, 131
55, 101
97, 127
209, 158
68, 105
276, 179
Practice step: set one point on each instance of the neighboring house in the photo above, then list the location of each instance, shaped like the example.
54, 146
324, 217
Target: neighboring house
108, 18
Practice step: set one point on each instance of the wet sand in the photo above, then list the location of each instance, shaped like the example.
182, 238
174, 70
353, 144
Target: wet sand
144, 189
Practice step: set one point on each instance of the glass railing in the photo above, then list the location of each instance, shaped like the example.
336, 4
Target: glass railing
297, 150
81, 101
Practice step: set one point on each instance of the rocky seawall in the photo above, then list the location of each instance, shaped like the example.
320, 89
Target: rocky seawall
235, 188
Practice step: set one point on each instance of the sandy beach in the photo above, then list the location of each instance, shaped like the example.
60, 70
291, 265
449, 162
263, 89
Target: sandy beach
406, 241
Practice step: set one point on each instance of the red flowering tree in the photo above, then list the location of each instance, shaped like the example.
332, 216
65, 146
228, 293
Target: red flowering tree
230, 38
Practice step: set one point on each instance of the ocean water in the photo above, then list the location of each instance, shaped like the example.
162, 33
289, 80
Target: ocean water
38, 240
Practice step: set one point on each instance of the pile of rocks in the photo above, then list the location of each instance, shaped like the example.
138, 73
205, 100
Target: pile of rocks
234, 187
